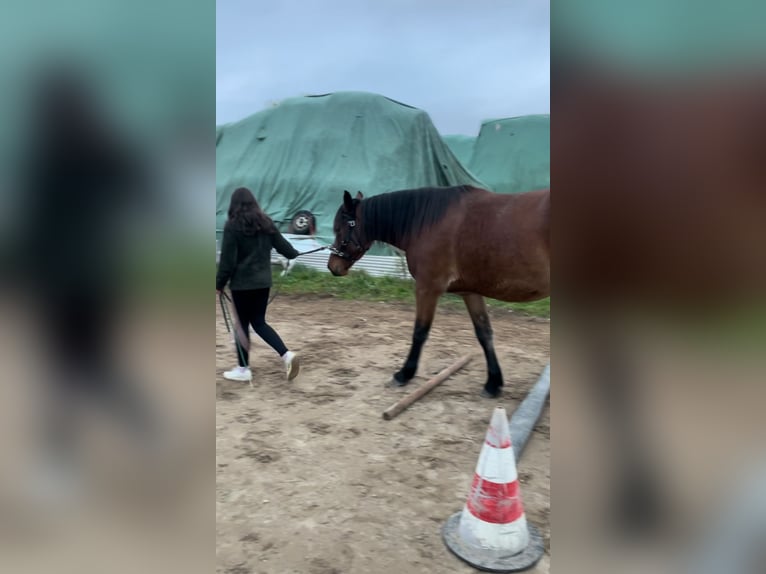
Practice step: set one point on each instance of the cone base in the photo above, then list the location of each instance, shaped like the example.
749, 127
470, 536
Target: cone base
491, 560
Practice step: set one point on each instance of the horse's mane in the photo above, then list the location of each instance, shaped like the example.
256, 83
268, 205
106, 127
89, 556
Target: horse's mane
399, 215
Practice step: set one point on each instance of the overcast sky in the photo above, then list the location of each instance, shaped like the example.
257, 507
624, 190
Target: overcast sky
462, 61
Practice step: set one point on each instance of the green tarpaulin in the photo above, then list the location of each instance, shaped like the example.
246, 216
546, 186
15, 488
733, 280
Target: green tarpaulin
513, 155
302, 154
461, 146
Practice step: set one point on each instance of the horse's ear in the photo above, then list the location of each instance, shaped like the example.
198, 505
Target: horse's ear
348, 203
359, 195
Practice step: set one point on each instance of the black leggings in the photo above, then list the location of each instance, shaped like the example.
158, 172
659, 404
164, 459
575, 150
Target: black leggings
250, 305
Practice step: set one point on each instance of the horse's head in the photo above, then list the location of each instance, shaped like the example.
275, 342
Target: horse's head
350, 244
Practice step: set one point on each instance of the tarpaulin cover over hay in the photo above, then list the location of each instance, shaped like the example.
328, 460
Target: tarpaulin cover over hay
304, 152
461, 146
513, 155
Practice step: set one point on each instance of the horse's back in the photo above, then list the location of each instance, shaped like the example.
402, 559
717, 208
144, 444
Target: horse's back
520, 218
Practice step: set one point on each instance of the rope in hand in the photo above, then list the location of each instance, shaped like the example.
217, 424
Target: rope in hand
314, 250
222, 298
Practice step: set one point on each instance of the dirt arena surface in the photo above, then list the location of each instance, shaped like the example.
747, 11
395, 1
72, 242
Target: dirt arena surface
312, 480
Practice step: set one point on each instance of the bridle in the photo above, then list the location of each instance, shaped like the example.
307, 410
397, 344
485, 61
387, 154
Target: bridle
351, 224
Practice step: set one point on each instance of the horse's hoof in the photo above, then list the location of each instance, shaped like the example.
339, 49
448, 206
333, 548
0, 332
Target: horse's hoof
489, 395
399, 379
397, 383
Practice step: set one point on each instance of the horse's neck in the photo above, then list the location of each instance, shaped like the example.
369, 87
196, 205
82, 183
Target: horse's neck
377, 231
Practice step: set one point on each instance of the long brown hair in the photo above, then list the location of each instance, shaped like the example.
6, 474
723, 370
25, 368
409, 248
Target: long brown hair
246, 215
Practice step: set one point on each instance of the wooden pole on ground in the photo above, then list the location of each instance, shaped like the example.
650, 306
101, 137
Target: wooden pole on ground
397, 408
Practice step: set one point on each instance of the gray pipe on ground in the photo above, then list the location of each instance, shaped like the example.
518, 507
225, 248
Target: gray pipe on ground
526, 415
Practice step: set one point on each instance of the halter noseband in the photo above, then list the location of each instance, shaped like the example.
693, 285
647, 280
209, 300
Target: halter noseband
349, 239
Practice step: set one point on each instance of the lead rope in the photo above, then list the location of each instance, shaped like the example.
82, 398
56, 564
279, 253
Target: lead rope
222, 298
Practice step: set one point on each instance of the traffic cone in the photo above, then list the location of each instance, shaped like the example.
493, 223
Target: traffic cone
491, 533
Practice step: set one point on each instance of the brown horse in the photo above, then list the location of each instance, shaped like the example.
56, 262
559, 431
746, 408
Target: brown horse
461, 240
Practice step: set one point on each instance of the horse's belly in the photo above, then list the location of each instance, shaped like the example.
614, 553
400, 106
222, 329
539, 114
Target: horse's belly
517, 295
516, 280
503, 290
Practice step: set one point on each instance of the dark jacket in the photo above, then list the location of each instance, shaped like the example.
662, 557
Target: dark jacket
245, 261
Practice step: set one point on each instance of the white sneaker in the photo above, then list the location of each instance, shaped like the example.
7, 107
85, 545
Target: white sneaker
292, 365
239, 374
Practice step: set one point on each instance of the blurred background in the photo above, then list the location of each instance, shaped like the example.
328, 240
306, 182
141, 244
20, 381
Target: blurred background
106, 175
658, 162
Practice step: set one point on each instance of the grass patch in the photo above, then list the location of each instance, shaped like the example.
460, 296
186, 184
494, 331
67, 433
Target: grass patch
360, 286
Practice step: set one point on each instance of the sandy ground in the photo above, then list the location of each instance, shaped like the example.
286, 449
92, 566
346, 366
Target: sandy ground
312, 480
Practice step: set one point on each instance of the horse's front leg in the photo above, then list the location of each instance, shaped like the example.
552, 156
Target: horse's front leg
426, 301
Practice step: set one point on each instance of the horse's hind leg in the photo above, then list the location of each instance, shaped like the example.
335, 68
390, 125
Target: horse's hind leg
477, 308
426, 301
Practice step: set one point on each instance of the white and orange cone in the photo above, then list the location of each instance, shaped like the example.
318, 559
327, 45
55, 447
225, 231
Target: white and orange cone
491, 532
